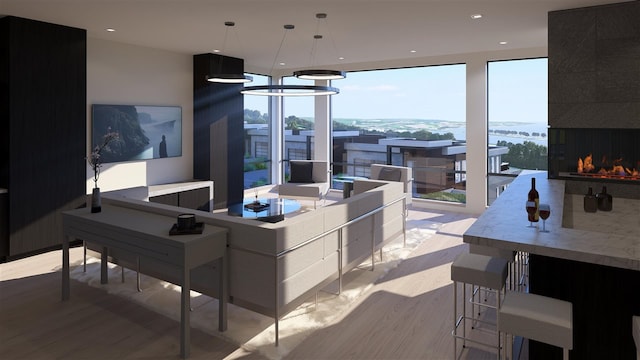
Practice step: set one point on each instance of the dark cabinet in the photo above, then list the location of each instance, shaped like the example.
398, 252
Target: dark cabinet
168, 199
195, 199
198, 197
43, 142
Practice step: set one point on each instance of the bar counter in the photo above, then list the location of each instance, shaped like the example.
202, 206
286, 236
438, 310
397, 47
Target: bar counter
590, 259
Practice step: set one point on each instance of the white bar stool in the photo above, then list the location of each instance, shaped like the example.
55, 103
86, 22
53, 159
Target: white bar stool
476, 270
636, 334
538, 318
509, 255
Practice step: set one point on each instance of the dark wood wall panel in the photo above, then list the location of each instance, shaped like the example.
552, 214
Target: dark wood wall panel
218, 128
604, 299
46, 84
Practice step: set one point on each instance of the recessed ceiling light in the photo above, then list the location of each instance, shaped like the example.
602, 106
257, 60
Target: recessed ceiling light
341, 58
413, 51
216, 50
476, 16
502, 43
110, 29
283, 64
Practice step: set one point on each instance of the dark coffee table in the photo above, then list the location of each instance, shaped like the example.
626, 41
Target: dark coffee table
269, 210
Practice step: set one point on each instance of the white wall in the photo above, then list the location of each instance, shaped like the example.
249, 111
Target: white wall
133, 75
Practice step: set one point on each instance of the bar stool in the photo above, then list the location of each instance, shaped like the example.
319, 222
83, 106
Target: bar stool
509, 255
636, 334
538, 318
476, 270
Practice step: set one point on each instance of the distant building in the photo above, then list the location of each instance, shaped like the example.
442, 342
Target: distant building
438, 165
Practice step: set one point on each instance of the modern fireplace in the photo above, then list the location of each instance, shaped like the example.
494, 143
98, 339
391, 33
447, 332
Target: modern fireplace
603, 155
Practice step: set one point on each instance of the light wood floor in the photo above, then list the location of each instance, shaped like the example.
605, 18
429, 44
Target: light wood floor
406, 315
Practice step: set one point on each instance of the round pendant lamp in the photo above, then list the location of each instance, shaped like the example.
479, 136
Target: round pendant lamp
219, 77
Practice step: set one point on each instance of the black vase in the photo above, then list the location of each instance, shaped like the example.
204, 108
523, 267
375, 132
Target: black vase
96, 204
605, 201
590, 202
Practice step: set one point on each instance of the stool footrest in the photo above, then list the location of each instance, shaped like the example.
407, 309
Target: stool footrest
461, 320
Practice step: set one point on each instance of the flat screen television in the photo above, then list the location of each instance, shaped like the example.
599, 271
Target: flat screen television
144, 132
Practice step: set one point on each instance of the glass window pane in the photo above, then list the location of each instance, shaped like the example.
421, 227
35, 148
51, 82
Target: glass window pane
257, 154
410, 117
517, 121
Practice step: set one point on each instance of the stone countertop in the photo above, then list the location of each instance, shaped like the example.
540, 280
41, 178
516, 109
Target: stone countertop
604, 238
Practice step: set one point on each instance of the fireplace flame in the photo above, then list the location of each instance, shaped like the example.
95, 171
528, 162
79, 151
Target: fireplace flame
617, 170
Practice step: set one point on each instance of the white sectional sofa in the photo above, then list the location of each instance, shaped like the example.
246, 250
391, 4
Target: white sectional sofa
275, 267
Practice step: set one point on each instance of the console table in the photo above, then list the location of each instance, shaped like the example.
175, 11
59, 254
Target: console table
146, 236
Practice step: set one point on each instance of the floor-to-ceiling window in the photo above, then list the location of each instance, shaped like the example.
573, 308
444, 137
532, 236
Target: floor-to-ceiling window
409, 116
517, 120
257, 146
298, 113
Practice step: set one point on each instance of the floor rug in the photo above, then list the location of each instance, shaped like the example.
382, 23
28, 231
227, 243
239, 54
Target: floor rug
249, 330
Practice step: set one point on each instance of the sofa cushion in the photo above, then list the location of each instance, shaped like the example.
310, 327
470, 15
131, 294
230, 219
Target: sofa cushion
389, 174
292, 190
301, 172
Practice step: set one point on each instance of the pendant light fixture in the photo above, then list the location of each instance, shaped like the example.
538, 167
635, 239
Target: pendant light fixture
219, 77
288, 90
319, 74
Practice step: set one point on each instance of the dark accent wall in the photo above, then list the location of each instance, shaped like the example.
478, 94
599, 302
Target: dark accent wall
43, 89
594, 67
594, 77
594, 85
218, 128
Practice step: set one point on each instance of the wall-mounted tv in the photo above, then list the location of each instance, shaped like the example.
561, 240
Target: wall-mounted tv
144, 132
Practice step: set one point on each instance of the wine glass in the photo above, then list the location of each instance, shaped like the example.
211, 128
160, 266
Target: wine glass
531, 211
545, 211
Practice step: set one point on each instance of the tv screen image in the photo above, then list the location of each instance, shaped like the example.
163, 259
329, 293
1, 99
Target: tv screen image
144, 132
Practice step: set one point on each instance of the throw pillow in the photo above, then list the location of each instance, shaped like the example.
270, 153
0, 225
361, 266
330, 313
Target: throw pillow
301, 172
389, 174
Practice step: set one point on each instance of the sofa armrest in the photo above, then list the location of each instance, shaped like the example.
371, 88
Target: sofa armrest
406, 177
362, 185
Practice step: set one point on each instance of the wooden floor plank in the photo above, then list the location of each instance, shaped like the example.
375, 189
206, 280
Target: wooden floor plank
406, 315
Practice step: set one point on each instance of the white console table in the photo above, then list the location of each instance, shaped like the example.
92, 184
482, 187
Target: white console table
146, 236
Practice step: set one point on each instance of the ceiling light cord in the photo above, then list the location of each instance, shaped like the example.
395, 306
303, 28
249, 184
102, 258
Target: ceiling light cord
219, 77
288, 90
319, 74
284, 36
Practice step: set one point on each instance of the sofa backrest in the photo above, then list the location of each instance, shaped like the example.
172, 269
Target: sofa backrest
320, 169
276, 237
394, 173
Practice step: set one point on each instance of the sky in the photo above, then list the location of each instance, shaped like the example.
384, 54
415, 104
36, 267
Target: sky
517, 91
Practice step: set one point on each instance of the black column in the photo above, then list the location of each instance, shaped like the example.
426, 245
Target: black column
218, 128
43, 105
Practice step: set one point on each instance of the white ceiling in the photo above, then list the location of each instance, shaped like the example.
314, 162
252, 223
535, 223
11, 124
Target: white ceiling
359, 30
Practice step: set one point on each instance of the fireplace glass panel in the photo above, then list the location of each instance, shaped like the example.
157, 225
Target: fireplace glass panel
602, 154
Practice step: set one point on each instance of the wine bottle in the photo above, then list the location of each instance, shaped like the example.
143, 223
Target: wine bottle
533, 196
